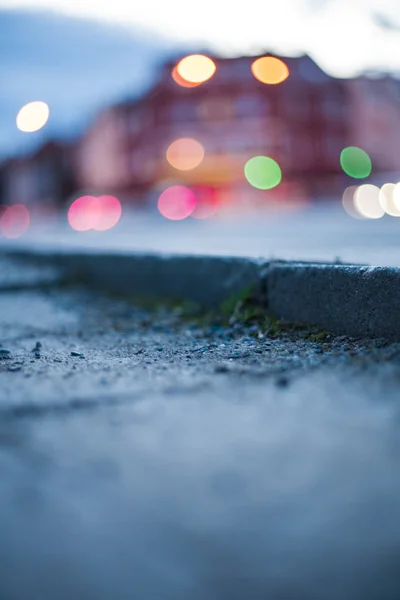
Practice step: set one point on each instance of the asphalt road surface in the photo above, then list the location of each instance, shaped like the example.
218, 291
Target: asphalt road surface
321, 232
149, 455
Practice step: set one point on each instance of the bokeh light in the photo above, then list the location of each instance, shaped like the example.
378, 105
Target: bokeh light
396, 196
270, 70
109, 212
80, 213
196, 68
355, 162
15, 221
387, 200
91, 212
185, 154
207, 202
263, 172
366, 201
180, 81
177, 202
348, 202
33, 116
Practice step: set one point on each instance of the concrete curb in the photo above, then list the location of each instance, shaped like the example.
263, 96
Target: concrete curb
345, 299
353, 300
204, 280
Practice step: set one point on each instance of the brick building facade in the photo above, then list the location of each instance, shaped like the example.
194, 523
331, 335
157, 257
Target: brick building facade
303, 123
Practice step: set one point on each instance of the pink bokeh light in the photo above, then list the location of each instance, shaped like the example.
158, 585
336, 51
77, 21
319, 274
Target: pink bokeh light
109, 213
177, 202
15, 221
207, 204
91, 212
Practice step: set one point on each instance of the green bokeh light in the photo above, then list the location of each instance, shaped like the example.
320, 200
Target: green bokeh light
355, 162
263, 172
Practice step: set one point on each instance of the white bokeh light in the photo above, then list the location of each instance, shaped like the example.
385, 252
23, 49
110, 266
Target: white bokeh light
387, 200
33, 116
366, 201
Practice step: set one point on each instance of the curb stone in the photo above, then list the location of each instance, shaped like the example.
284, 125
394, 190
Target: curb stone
359, 301
355, 300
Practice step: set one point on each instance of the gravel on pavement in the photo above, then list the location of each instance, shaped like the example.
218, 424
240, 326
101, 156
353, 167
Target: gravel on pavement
147, 454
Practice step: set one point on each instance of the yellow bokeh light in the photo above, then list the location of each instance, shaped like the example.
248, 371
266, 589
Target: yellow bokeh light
180, 81
270, 70
33, 116
196, 68
185, 154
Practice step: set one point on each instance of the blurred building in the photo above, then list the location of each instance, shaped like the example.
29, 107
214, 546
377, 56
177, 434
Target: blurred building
375, 119
303, 123
44, 178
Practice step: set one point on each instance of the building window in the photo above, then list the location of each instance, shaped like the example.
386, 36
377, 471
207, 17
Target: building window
297, 105
333, 148
183, 111
333, 106
251, 106
242, 69
134, 124
218, 109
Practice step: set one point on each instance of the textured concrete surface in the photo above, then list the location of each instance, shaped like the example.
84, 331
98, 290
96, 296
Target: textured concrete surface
352, 300
343, 299
15, 274
147, 455
203, 280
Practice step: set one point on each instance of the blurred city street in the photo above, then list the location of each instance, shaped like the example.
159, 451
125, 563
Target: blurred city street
317, 232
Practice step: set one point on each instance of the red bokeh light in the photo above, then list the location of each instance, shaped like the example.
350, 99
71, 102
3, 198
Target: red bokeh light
15, 221
91, 212
177, 202
207, 203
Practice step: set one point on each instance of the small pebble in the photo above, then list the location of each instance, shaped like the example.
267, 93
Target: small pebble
282, 382
14, 368
78, 354
221, 369
236, 355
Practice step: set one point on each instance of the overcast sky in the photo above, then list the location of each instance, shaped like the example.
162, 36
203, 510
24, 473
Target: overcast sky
344, 36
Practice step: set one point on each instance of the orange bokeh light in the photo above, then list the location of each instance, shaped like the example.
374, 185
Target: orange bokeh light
196, 68
270, 70
180, 81
91, 212
15, 221
177, 202
185, 154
